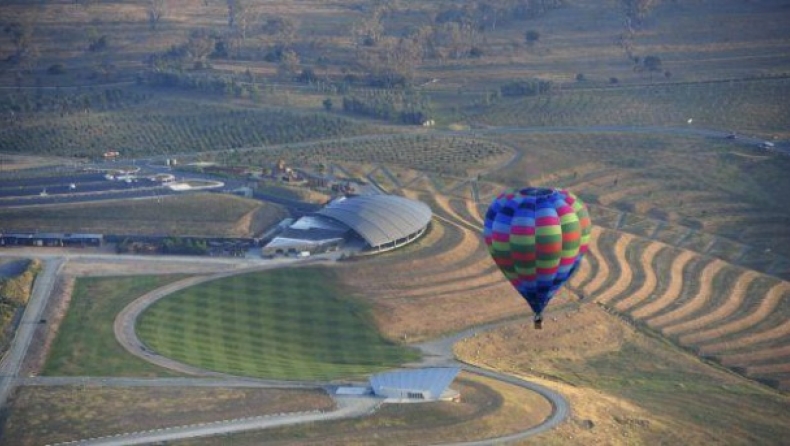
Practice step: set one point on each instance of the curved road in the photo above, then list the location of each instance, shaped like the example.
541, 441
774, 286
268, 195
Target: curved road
438, 352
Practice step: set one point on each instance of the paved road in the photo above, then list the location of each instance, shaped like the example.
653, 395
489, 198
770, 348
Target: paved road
12, 361
347, 407
436, 353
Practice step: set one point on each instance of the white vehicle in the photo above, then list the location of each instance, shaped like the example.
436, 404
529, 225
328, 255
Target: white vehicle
767, 145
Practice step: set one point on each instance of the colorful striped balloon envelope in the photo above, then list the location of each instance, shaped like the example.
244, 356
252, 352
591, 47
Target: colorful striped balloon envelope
537, 237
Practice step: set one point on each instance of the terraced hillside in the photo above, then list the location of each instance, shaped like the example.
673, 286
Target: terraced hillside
663, 276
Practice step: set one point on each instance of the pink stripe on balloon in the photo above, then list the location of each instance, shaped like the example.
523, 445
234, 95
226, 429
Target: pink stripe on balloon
500, 236
547, 221
522, 230
562, 210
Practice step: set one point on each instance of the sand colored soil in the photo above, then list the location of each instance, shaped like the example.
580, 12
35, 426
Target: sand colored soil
695, 303
626, 273
630, 192
751, 357
474, 212
603, 267
672, 291
445, 206
733, 302
772, 300
770, 369
778, 332
577, 171
581, 274
649, 281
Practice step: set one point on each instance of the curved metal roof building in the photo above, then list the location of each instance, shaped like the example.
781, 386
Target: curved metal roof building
384, 221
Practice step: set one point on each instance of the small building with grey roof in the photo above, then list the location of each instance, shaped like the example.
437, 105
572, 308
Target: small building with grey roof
408, 385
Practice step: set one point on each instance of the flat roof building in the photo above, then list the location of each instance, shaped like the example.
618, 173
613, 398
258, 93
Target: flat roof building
415, 385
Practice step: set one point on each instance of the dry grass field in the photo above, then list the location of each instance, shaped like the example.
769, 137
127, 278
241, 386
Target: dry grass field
628, 388
48, 415
487, 408
202, 214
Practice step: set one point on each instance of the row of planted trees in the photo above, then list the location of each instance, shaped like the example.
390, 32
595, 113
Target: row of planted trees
14, 295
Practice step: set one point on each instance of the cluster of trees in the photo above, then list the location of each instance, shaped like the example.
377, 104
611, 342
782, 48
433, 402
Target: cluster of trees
226, 85
487, 15
169, 245
21, 36
14, 294
454, 32
24, 101
526, 87
402, 108
637, 10
187, 246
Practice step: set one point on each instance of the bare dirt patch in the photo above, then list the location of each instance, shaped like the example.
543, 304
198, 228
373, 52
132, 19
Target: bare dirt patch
648, 283
672, 291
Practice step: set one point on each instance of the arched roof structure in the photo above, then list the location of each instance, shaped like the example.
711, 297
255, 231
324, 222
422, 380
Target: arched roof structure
380, 219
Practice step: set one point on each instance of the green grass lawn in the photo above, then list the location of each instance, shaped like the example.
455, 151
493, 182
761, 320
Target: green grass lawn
86, 345
294, 324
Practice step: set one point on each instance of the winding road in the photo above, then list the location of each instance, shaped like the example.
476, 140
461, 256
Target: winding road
435, 353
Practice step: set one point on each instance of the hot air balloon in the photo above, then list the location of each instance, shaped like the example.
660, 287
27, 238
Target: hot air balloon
537, 237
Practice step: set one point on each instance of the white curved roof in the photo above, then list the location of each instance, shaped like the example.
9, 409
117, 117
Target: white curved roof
380, 219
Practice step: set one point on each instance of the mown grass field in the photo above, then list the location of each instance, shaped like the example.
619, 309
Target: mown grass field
86, 345
291, 324
200, 214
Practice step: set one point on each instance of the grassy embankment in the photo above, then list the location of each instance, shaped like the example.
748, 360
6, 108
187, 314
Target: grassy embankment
85, 344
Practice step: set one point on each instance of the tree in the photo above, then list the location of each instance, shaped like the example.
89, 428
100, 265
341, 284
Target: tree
157, 10
652, 63
21, 35
200, 45
531, 36
289, 63
241, 13
282, 29
328, 104
637, 10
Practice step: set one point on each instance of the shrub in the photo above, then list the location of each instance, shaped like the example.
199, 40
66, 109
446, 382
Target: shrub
56, 69
531, 36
